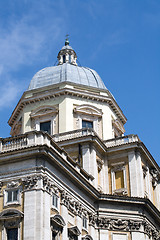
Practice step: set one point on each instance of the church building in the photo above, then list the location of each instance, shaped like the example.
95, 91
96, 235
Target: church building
68, 171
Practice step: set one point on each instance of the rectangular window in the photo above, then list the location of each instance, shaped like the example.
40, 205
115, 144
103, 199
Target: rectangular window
46, 127
12, 234
55, 201
12, 195
119, 179
87, 124
85, 222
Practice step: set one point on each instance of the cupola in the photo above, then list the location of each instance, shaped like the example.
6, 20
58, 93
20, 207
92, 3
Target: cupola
67, 54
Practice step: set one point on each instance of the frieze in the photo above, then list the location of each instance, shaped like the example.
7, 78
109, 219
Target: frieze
12, 184
49, 186
72, 205
123, 225
30, 182
150, 231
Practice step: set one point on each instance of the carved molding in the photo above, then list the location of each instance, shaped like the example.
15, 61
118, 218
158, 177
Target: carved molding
154, 174
43, 110
72, 205
88, 110
123, 225
99, 164
13, 184
118, 126
1, 185
73, 231
30, 182
49, 186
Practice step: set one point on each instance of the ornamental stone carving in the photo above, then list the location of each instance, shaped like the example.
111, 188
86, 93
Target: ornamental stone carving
13, 184
49, 186
12, 223
154, 174
92, 219
30, 182
124, 225
72, 205
1, 185
117, 224
151, 231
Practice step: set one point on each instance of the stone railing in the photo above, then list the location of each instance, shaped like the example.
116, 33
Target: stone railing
26, 140
73, 134
121, 140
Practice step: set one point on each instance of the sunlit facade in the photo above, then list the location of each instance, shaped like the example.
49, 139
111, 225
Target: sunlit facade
68, 171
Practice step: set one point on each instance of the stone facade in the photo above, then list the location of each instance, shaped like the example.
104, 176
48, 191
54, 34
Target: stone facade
69, 172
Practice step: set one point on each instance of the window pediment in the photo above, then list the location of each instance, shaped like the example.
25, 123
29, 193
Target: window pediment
43, 111
74, 231
88, 110
116, 123
58, 221
87, 237
10, 214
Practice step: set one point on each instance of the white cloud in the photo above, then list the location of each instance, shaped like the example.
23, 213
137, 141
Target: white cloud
8, 93
27, 39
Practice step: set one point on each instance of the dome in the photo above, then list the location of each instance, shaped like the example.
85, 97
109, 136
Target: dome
66, 72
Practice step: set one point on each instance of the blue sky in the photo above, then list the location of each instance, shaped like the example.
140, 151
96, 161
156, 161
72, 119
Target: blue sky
120, 39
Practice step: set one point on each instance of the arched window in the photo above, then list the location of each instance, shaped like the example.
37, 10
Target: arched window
11, 220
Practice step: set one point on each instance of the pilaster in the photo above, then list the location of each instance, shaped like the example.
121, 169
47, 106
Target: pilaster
86, 157
133, 174
106, 177
79, 225
140, 176
104, 235
138, 236
93, 167
30, 215
64, 213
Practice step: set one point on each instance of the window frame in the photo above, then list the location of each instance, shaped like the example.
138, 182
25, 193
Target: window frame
55, 196
42, 122
12, 202
116, 168
85, 223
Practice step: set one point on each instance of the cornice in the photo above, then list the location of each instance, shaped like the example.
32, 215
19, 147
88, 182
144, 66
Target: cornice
66, 92
135, 146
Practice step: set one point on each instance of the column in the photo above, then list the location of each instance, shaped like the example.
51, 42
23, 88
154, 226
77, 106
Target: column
36, 214
106, 178
79, 225
133, 174
92, 231
86, 157
140, 176
104, 234
64, 214
137, 236
158, 195
30, 215
93, 167
46, 215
